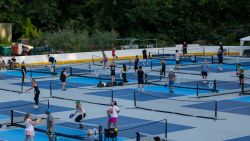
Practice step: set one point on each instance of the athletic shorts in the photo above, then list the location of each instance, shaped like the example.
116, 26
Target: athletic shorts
113, 120
63, 79
220, 60
204, 73
184, 50
178, 62
171, 83
145, 57
136, 67
241, 76
112, 73
140, 81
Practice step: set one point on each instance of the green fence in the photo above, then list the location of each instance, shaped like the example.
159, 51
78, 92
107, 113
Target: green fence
5, 50
41, 50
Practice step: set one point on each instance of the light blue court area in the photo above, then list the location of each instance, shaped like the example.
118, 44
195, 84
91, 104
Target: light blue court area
85, 80
27, 107
157, 62
243, 99
18, 73
229, 106
55, 84
3, 117
128, 94
128, 126
6, 77
177, 90
246, 138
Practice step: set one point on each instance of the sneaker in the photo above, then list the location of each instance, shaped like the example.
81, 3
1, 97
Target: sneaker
35, 106
81, 126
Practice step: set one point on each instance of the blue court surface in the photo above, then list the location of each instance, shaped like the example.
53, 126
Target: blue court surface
213, 68
3, 117
6, 77
126, 130
18, 73
56, 84
26, 107
128, 94
229, 106
128, 126
246, 138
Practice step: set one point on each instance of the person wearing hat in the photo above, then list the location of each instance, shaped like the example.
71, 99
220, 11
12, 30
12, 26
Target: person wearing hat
171, 80
50, 125
79, 113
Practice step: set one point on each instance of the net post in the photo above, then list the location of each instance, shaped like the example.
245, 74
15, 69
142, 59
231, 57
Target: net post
203, 51
158, 52
151, 64
89, 67
70, 71
129, 63
48, 103
134, 98
137, 136
93, 60
212, 59
12, 117
215, 86
227, 51
215, 110
197, 89
112, 95
100, 133
50, 89
166, 129
30, 71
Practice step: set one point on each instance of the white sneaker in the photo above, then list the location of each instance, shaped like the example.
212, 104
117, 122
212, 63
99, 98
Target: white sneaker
35, 106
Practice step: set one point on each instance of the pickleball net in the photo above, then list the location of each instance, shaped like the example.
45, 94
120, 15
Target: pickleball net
160, 102
62, 129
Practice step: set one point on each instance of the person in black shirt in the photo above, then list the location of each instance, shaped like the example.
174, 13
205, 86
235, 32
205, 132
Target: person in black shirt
112, 70
23, 68
63, 77
145, 57
184, 48
140, 75
124, 74
220, 58
163, 67
136, 63
37, 92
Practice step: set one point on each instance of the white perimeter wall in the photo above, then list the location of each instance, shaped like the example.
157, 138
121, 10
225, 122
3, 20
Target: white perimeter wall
120, 53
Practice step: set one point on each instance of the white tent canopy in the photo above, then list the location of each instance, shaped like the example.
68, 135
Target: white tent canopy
242, 41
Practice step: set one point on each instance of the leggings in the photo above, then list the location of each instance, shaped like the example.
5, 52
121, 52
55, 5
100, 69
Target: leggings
36, 98
163, 72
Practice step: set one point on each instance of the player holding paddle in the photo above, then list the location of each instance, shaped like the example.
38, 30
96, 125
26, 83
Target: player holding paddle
29, 123
112, 113
37, 92
80, 113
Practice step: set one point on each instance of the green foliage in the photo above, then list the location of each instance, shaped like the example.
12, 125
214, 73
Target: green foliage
29, 30
69, 40
170, 21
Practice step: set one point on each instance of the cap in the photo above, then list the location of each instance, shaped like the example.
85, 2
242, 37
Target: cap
47, 111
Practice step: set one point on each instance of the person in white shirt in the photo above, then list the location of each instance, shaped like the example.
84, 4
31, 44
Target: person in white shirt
112, 113
29, 130
79, 113
177, 59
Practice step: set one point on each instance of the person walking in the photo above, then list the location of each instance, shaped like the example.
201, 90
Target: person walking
63, 77
23, 68
140, 76
124, 71
171, 80
205, 70
36, 91
50, 125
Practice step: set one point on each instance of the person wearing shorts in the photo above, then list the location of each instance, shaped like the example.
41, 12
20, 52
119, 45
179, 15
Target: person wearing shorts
104, 59
220, 58
113, 54
171, 80
145, 56
163, 67
136, 63
204, 71
112, 113
50, 125
52, 60
184, 48
140, 75
79, 113
63, 77
112, 70
124, 71
177, 59
241, 74
29, 130
36, 91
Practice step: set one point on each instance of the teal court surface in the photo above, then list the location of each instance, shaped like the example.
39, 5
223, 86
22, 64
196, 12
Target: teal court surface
218, 113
